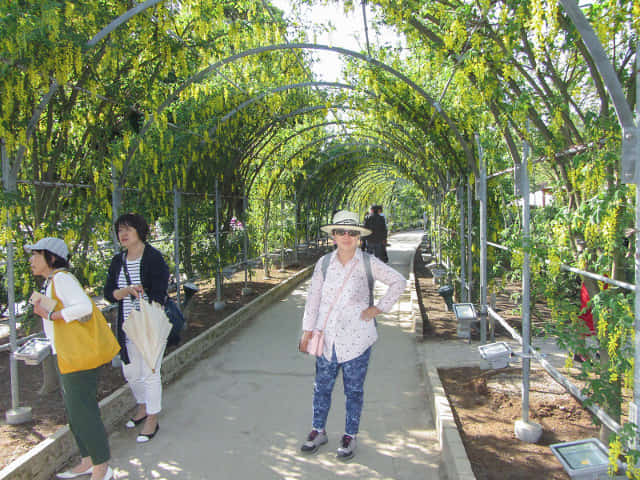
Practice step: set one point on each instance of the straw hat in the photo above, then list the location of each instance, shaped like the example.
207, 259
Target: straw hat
346, 220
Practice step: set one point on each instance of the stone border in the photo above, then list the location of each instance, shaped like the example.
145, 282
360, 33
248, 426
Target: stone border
46, 458
454, 463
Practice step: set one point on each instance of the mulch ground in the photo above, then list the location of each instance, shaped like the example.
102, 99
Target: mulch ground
486, 403
48, 409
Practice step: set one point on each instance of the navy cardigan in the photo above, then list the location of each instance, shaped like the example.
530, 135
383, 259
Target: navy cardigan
155, 281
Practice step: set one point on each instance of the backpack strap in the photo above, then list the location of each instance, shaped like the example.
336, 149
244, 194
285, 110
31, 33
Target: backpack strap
367, 268
370, 280
325, 265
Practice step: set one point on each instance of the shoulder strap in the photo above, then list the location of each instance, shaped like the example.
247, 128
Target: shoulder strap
125, 269
370, 280
325, 265
126, 272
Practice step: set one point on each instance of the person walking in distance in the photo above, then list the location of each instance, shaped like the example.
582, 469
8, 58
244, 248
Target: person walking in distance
377, 241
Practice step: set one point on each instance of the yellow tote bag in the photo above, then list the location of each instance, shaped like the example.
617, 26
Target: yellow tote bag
83, 345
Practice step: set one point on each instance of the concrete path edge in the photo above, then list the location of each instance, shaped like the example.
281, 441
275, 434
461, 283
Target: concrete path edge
454, 463
47, 457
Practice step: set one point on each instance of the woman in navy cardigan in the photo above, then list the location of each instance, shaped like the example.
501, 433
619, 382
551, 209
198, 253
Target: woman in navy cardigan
138, 270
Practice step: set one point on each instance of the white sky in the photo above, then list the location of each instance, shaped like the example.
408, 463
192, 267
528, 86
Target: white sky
344, 30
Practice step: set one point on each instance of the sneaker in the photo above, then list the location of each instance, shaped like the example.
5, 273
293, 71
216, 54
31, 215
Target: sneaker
314, 440
347, 448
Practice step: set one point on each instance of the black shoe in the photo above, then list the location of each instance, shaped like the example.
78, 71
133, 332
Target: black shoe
132, 423
145, 437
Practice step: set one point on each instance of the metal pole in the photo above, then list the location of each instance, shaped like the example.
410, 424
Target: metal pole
116, 200
306, 231
634, 408
16, 414
483, 242
439, 230
296, 216
246, 290
266, 239
463, 287
469, 242
176, 241
219, 304
526, 319
524, 429
282, 229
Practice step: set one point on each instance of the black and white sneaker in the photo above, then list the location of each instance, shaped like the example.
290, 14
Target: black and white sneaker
314, 440
347, 448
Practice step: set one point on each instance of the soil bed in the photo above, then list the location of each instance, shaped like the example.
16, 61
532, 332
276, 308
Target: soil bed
48, 409
486, 403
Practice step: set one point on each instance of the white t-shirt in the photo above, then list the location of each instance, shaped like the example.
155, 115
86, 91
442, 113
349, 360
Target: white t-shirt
75, 301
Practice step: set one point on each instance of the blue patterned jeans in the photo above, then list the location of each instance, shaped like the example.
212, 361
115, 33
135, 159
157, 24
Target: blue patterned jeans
353, 376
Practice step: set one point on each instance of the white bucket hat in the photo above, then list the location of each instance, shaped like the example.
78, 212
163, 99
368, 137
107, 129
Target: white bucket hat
51, 244
346, 220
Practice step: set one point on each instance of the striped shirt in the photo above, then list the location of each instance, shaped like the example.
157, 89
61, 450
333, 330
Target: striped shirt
133, 267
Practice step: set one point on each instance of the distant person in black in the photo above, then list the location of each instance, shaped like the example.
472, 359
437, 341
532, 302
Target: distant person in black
377, 241
363, 240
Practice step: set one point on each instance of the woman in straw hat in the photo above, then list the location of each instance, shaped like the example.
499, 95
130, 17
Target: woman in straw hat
338, 303
50, 259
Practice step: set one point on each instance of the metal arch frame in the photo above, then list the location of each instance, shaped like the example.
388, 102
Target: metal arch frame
330, 159
291, 46
401, 147
355, 190
278, 89
212, 131
266, 127
346, 123
571, 7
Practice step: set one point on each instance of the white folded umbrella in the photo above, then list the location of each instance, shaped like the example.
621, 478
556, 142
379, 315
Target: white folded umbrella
148, 328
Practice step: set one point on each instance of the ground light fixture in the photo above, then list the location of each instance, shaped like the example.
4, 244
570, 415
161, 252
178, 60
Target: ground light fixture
438, 271
34, 351
496, 355
465, 314
586, 459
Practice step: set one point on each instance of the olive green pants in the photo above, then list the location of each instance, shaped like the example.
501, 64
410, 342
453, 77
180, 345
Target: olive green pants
79, 390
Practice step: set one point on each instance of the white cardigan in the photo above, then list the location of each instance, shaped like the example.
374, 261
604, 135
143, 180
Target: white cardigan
75, 302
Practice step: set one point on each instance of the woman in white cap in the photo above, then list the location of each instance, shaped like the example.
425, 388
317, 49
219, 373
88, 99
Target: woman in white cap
340, 303
50, 259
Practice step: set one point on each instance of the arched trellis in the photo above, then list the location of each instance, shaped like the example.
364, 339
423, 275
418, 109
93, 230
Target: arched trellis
323, 140
199, 76
330, 159
572, 8
255, 51
300, 85
623, 117
283, 142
